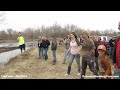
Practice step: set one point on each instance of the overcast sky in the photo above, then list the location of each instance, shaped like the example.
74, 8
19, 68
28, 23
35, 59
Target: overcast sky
93, 20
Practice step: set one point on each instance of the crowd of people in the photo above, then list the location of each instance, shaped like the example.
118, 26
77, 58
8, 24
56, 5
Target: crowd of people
95, 53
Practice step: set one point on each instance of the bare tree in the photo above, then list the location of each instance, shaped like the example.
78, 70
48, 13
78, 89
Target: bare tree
3, 35
2, 16
10, 32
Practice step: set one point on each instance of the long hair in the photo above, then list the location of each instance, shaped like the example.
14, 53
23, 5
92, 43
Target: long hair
105, 56
74, 35
77, 41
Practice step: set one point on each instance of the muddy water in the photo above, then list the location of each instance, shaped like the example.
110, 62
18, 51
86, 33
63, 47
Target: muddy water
6, 56
16, 44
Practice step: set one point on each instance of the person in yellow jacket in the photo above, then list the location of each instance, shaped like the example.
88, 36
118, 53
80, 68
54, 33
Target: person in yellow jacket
21, 42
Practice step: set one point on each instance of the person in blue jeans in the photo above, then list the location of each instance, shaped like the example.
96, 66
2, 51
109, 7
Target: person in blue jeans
88, 55
97, 43
66, 47
54, 48
45, 45
40, 49
111, 46
75, 47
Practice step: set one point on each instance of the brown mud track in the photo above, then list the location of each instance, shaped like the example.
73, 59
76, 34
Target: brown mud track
5, 49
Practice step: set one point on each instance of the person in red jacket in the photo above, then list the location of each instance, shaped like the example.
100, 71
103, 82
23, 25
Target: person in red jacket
116, 57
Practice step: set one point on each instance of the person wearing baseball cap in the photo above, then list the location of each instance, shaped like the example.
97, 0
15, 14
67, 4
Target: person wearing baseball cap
104, 66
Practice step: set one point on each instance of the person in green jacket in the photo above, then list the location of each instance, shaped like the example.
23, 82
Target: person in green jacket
21, 42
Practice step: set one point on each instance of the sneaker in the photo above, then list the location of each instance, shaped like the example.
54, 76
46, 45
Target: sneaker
66, 74
78, 74
63, 63
54, 63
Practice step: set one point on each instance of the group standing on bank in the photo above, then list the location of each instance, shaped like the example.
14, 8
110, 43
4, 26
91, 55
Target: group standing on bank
95, 53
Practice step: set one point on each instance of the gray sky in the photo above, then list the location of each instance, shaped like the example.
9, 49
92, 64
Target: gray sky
93, 20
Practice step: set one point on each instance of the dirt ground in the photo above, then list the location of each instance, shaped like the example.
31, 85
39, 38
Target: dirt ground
30, 67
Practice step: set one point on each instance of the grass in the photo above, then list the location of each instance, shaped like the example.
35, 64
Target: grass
30, 67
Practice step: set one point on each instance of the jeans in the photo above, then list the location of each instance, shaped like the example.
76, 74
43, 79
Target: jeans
40, 52
117, 73
54, 55
45, 53
111, 51
71, 58
86, 60
65, 55
96, 63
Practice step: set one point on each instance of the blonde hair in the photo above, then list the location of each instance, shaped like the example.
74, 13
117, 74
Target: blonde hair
87, 33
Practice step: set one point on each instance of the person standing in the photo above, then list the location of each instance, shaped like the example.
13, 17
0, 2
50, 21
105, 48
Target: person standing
111, 44
97, 43
54, 48
116, 56
88, 52
21, 42
75, 47
66, 47
45, 45
40, 48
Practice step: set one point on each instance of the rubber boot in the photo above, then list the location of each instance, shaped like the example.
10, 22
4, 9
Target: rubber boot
69, 69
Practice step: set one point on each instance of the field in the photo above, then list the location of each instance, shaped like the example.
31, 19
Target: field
30, 67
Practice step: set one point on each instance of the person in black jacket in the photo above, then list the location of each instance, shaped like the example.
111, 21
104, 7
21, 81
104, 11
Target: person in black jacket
45, 45
116, 56
40, 48
53, 48
97, 43
111, 44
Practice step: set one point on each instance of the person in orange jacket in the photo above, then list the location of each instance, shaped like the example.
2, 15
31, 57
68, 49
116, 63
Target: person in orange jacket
104, 66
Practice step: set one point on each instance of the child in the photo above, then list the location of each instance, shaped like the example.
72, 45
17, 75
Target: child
103, 62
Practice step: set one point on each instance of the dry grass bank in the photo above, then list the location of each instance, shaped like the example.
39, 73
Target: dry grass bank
30, 67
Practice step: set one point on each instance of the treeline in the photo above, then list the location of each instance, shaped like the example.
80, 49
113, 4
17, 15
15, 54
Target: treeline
56, 30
